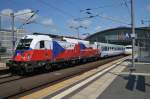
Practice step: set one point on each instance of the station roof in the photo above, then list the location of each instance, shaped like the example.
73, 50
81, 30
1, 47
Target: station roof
119, 28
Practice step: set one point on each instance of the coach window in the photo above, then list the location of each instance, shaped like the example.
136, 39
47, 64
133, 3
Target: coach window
102, 48
117, 48
42, 44
106, 48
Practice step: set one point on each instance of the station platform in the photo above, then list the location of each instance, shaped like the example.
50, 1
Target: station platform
115, 82
127, 85
2, 66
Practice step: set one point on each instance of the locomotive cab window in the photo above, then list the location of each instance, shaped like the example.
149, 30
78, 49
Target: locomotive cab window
42, 45
24, 44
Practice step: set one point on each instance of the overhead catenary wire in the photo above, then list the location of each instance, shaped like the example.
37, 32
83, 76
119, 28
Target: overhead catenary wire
29, 19
113, 19
74, 4
90, 14
99, 7
104, 17
16, 15
26, 21
127, 6
57, 9
105, 6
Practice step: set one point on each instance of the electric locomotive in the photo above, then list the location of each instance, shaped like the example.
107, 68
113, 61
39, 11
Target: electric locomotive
43, 51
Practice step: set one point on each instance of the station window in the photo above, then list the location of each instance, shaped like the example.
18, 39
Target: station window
42, 44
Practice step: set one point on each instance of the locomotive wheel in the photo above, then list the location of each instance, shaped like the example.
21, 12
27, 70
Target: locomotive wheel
22, 72
47, 67
12, 71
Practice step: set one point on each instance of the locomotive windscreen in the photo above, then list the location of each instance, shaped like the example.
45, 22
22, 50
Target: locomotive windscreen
24, 44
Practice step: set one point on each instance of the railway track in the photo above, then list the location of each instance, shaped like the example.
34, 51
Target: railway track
5, 75
4, 71
19, 85
9, 78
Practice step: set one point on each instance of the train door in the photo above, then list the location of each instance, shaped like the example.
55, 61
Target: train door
99, 47
48, 51
42, 50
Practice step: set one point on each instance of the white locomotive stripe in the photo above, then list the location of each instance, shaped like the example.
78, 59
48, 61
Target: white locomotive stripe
68, 91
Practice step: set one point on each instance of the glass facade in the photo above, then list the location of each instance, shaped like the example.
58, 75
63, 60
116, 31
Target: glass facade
122, 36
6, 38
119, 35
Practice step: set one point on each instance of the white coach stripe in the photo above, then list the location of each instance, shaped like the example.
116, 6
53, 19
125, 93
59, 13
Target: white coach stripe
68, 91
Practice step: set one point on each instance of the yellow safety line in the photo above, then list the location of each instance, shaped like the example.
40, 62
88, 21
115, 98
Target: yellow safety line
51, 89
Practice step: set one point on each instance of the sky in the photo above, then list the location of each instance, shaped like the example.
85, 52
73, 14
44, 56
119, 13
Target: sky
68, 17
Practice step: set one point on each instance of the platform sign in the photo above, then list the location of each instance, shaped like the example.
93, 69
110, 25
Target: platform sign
120, 36
127, 35
134, 35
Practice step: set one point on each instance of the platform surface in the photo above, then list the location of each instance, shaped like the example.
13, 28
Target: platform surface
118, 83
2, 66
130, 86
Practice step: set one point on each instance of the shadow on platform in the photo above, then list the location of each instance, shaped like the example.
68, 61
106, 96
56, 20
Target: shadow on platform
137, 82
134, 82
